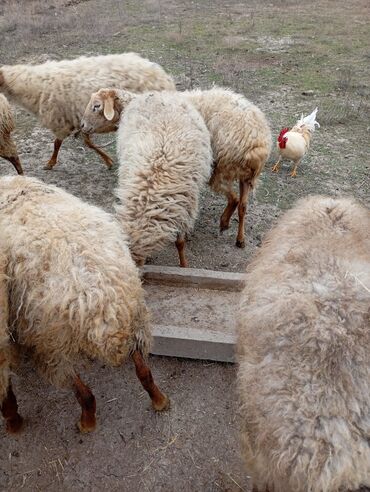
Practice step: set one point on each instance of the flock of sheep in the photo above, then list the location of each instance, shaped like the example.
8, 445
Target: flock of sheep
69, 282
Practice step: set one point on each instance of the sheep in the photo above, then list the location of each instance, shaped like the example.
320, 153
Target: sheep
303, 351
165, 158
241, 142
73, 289
240, 138
57, 92
8, 149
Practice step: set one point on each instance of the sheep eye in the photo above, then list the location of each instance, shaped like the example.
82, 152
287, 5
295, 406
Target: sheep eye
96, 107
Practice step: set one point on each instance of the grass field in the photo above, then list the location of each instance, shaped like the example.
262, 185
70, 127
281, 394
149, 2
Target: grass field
287, 57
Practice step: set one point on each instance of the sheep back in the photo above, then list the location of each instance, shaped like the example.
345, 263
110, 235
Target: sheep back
57, 92
304, 343
165, 159
240, 135
73, 286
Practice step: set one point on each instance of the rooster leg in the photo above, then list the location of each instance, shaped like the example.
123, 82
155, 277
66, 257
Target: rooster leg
294, 172
276, 167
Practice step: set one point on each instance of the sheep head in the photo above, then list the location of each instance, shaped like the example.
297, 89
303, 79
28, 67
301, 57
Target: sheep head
104, 109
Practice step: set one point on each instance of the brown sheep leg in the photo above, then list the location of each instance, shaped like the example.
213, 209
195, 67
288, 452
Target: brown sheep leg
160, 401
86, 399
244, 187
108, 161
180, 245
9, 410
232, 203
54, 157
16, 163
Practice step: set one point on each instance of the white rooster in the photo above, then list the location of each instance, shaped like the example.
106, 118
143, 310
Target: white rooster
293, 144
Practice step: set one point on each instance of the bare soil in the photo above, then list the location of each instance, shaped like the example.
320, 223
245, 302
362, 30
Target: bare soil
287, 57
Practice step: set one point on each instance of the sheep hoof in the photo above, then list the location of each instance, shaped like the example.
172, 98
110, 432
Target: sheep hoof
163, 405
48, 168
14, 425
223, 227
240, 244
86, 428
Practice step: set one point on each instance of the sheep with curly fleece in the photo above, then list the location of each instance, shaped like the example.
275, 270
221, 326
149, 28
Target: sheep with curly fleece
240, 138
165, 159
8, 149
73, 289
57, 92
304, 344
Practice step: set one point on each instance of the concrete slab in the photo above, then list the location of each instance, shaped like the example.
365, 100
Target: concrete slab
193, 311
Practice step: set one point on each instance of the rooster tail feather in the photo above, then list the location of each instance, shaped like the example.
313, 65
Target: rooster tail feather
309, 121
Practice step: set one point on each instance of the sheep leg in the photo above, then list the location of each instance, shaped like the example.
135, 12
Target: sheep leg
244, 187
16, 163
276, 167
180, 245
54, 157
9, 410
87, 401
232, 203
160, 401
108, 161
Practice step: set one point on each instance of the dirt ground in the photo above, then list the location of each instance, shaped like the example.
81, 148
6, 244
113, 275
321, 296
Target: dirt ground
288, 57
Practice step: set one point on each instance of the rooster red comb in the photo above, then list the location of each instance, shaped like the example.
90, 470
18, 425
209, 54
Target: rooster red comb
282, 133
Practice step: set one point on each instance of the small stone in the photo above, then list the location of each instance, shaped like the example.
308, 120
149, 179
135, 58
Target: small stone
308, 93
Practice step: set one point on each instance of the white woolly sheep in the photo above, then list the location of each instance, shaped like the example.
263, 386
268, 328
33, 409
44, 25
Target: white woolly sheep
73, 289
57, 92
240, 138
8, 149
165, 159
304, 344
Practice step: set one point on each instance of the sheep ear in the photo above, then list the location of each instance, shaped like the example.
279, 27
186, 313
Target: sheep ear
109, 108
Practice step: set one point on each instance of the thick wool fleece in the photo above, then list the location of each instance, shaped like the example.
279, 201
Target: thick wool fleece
240, 136
165, 160
72, 284
304, 344
57, 92
7, 144
5, 356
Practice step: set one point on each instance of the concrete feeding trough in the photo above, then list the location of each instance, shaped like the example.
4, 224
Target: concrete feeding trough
193, 311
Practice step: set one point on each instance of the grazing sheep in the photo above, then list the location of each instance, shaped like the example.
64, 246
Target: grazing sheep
57, 92
304, 344
73, 289
165, 159
241, 143
8, 149
240, 138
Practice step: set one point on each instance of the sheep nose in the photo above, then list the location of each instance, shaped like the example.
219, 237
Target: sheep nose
85, 127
